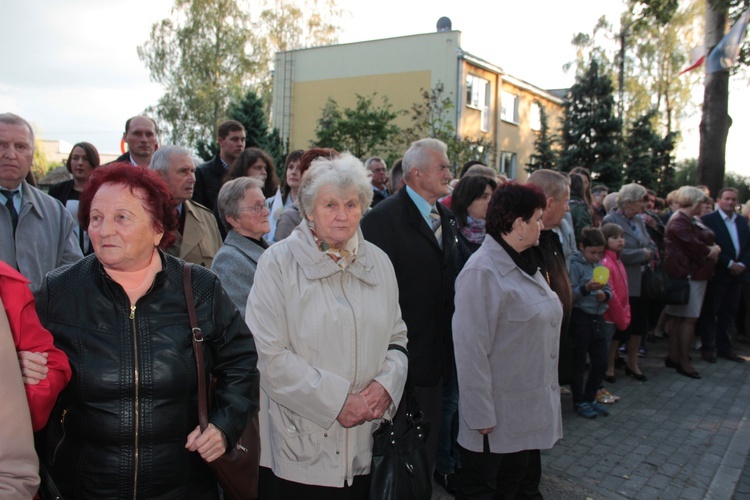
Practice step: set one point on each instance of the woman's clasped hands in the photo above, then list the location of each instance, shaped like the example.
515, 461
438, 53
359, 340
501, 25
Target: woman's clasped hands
364, 406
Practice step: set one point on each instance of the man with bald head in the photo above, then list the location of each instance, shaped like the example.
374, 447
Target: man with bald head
140, 136
36, 231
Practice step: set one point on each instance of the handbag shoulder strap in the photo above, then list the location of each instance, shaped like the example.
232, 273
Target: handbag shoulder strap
409, 397
197, 335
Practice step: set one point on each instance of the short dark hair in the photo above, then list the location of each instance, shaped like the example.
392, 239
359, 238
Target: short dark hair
156, 197
127, 123
511, 201
734, 190
92, 155
466, 191
591, 237
229, 126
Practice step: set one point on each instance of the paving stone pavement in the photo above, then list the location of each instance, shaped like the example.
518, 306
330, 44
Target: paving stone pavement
671, 437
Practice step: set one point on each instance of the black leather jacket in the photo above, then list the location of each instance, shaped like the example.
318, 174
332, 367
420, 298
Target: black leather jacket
119, 428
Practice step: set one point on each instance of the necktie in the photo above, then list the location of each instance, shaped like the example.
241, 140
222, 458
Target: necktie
11, 207
437, 227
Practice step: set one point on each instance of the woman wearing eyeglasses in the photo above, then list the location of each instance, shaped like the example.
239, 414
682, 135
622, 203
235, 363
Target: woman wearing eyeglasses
242, 208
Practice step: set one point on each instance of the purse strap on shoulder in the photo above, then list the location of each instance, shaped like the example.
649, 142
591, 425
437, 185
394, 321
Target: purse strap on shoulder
197, 335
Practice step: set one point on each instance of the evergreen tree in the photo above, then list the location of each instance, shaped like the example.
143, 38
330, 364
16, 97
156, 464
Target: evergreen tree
544, 155
649, 157
590, 131
250, 112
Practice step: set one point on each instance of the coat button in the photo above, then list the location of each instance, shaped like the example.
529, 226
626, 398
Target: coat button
337, 452
291, 428
325, 434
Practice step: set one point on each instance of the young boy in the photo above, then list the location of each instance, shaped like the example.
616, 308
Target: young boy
587, 323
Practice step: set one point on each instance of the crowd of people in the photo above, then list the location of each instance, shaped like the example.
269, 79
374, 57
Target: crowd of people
325, 299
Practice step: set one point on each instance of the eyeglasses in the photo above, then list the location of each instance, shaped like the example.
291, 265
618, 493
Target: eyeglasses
255, 208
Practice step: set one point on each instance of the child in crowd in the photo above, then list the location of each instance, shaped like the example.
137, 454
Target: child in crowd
618, 314
587, 323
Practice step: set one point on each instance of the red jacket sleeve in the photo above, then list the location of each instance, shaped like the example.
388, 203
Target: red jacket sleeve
619, 306
30, 335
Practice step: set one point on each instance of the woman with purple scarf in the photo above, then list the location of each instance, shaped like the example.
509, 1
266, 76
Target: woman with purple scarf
470, 200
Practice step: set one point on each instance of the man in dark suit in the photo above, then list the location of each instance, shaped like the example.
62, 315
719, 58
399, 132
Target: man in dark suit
140, 136
379, 181
419, 236
723, 292
209, 176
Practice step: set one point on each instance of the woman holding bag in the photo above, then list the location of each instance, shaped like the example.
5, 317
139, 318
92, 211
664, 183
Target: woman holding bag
127, 424
692, 254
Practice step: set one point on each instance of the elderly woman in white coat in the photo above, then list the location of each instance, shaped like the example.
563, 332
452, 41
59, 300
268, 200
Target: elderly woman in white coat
243, 210
506, 331
324, 310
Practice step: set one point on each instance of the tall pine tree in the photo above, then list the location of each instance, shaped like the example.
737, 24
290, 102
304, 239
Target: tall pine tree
649, 158
591, 132
544, 155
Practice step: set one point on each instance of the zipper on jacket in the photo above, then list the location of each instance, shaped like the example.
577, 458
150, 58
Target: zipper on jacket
137, 402
59, 443
356, 367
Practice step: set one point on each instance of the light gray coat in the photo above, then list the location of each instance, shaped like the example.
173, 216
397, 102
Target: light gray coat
506, 334
235, 265
45, 237
322, 333
633, 256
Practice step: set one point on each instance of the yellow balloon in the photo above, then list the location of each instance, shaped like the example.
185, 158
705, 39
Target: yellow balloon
601, 274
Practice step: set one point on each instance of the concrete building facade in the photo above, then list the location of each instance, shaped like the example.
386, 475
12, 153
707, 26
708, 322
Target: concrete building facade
489, 104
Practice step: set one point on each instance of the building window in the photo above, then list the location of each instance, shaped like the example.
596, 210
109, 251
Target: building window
509, 107
479, 96
535, 117
508, 164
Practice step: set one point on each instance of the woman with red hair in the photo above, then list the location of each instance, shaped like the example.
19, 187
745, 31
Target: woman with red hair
127, 424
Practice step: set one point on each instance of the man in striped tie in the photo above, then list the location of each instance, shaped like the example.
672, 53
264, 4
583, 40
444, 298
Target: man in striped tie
419, 236
36, 232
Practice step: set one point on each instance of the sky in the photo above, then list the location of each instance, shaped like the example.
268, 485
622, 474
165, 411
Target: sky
71, 67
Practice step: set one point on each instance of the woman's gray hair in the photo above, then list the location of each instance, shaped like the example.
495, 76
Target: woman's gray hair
417, 154
230, 195
610, 201
689, 196
342, 173
630, 193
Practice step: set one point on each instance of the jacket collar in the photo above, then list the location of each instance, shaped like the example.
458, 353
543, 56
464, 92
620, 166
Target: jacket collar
414, 216
249, 248
317, 265
31, 198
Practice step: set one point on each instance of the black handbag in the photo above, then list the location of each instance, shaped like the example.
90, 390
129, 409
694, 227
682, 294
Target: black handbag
678, 292
399, 468
655, 282
236, 470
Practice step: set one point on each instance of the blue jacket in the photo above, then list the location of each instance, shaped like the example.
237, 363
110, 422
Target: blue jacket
581, 272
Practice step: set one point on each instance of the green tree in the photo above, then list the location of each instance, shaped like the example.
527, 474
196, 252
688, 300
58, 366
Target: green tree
203, 56
649, 158
364, 130
590, 130
656, 54
545, 151
433, 116
250, 112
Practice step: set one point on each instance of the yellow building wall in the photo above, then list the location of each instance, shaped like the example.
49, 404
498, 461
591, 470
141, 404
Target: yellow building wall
518, 137
470, 120
309, 98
